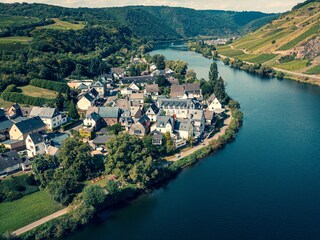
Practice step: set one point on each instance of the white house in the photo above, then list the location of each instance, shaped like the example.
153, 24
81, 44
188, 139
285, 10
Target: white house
184, 128
213, 103
86, 101
198, 121
134, 87
164, 124
178, 107
100, 87
51, 117
35, 145
118, 72
152, 112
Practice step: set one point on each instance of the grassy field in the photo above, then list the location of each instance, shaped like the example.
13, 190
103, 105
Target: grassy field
314, 70
262, 58
227, 51
38, 92
7, 21
16, 214
293, 65
14, 43
63, 25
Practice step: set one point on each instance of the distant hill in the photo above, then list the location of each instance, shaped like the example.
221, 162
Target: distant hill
156, 23
290, 42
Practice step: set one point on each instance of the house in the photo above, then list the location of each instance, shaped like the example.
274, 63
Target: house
151, 90
127, 91
35, 144
157, 138
136, 99
118, 73
184, 128
14, 111
177, 91
141, 127
152, 112
94, 121
110, 115
209, 116
178, 107
141, 80
123, 104
86, 101
164, 124
83, 87
100, 87
134, 87
20, 130
136, 112
50, 116
193, 90
126, 120
214, 104
9, 162
198, 121
5, 124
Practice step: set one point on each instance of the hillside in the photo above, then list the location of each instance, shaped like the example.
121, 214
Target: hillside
291, 42
156, 23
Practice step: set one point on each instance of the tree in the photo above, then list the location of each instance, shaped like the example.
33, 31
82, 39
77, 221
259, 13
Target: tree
161, 81
73, 113
59, 101
159, 60
191, 76
112, 187
170, 146
93, 195
280, 75
115, 129
213, 73
219, 90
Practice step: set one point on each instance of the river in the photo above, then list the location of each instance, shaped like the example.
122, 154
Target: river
265, 185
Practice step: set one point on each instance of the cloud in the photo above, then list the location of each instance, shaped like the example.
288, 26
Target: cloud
236, 5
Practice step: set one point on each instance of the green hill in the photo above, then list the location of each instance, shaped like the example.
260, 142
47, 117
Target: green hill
156, 23
290, 42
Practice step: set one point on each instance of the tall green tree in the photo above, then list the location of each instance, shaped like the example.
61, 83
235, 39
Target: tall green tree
213, 73
73, 113
59, 101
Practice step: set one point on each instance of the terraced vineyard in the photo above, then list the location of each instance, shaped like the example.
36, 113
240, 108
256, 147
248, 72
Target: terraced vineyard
63, 25
290, 34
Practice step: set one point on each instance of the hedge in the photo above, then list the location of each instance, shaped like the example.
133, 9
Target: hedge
24, 99
51, 85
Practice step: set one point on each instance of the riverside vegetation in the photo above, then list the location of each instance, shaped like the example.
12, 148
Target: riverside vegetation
133, 166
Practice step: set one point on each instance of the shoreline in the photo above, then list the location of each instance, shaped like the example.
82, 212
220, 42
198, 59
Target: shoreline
216, 142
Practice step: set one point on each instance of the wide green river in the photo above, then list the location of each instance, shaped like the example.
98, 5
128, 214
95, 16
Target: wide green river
265, 185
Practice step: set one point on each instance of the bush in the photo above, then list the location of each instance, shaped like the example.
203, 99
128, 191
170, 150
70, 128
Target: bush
51, 85
30, 181
24, 99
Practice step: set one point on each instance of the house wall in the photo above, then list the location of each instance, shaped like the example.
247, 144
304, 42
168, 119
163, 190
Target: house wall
54, 122
84, 104
10, 169
215, 105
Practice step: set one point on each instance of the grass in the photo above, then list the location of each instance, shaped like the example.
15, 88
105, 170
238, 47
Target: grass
14, 43
16, 214
314, 70
7, 20
227, 51
11, 184
293, 65
38, 92
63, 25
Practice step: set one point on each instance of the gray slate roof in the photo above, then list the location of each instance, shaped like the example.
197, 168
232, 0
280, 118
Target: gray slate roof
9, 159
36, 138
163, 120
182, 125
30, 125
44, 112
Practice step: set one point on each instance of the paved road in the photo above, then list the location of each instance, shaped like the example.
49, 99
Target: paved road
39, 222
206, 142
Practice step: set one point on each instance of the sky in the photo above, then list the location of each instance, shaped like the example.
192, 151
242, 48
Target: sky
271, 6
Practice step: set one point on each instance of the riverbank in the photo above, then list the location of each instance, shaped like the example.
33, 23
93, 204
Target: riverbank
47, 226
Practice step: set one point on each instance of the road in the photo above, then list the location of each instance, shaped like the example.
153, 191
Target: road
39, 222
206, 142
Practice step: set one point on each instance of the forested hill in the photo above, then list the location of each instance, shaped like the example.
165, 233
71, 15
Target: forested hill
156, 23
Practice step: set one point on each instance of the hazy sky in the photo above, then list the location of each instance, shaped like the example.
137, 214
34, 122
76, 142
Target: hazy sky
238, 5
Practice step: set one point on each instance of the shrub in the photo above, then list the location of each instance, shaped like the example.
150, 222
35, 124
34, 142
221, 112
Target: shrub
51, 85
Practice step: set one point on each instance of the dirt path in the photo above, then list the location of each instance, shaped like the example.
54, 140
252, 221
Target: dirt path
206, 142
39, 222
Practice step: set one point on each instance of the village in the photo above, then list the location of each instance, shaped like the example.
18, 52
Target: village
115, 101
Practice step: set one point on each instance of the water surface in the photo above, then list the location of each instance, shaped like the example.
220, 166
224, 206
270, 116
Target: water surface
265, 185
